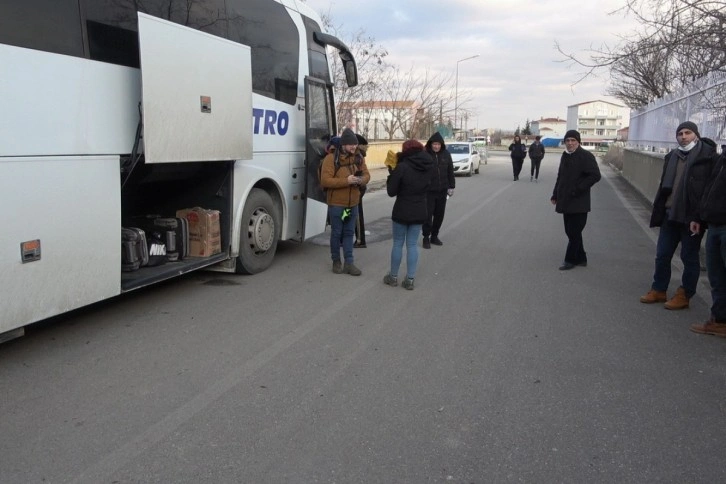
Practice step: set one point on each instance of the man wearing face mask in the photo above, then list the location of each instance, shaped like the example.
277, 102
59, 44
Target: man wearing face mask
577, 173
686, 171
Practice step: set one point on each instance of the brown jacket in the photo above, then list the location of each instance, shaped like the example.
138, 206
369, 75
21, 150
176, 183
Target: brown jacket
339, 192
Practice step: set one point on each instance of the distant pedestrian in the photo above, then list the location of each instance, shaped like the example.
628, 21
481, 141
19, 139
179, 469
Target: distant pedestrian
536, 152
342, 172
577, 173
518, 151
712, 211
442, 186
408, 182
686, 171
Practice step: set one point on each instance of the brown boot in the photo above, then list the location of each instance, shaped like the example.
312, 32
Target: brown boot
654, 296
711, 326
678, 301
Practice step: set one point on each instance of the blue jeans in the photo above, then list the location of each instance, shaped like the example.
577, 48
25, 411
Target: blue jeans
408, 234
716, 265
344, 231
671, 234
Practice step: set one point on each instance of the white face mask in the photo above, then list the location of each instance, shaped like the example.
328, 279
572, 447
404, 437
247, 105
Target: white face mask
688, 147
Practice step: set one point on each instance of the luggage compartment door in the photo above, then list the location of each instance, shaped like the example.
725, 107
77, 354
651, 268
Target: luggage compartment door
197, 94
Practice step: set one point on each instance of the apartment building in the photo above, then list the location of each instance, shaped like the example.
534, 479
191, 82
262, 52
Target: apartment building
597, 121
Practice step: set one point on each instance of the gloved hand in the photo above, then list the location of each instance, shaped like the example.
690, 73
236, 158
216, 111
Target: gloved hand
450, 191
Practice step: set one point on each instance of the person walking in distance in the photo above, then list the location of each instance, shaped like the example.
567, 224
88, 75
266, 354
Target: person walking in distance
686, 171
536, 153
518, 151
342, 172
441, 187
577, 173
712, 211
408, 182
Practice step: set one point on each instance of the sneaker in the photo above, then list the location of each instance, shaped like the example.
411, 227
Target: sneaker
678, 301
531, 178
435, 240
426, 243
390, 280
407, 284
654, 296
710, 327
566, 266
337, 267
360, 245
351, 269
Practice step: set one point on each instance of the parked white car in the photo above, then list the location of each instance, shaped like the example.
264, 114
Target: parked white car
465, 156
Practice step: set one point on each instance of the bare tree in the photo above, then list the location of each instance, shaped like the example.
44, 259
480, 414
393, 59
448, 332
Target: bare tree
680, 41
370, 60
413, 100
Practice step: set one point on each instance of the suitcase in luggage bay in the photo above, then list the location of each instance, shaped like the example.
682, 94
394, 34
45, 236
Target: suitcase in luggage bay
134, 251
177, 235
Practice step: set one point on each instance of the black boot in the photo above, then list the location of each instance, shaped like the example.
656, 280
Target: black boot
435, 240
426, 242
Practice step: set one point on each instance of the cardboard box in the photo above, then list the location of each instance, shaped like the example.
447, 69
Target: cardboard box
204, 235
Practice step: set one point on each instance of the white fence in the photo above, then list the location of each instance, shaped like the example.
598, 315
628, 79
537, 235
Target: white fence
653, 128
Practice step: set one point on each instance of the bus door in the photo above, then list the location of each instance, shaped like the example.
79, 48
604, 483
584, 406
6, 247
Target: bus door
319, 127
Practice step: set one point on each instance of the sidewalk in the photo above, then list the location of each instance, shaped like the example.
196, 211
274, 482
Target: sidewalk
379, 174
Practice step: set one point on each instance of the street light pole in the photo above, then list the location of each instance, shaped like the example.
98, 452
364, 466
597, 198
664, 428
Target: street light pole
456, 89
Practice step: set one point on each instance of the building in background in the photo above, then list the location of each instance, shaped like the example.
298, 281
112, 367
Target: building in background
597, 121
382, 120
552, 130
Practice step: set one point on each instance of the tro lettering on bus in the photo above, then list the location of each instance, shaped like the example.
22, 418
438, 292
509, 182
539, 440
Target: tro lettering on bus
271, 120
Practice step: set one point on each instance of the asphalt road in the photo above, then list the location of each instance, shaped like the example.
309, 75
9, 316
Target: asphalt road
496, 368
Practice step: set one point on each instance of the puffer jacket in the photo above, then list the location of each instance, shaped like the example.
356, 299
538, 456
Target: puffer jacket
442, 177
698, 175
338, 192
409, 183
577, 173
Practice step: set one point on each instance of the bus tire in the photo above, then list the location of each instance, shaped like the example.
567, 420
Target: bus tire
259, 233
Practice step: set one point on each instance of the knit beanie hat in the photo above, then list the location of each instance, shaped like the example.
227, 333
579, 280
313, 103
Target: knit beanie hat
573, 134
688, 125
348, 137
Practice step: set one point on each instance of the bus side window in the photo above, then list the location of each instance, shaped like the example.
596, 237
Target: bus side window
47, 25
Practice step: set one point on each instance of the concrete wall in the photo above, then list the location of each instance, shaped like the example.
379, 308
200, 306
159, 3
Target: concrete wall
643, 171
377, 151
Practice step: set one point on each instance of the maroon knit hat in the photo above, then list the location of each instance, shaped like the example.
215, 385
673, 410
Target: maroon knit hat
412, 145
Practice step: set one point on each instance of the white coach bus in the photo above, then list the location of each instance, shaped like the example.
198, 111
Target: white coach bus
119, 109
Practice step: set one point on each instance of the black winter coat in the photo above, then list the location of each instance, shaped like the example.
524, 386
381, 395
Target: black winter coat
577, 173
409, 182
536, 151
699, 175
518, 151
712, 208
443, 173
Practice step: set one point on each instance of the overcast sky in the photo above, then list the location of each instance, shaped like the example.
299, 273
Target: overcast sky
517, 75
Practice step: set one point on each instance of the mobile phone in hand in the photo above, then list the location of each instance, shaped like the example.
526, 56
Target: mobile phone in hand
358, 173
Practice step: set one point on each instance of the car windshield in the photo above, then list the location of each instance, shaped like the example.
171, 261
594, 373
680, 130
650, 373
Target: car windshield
458, 149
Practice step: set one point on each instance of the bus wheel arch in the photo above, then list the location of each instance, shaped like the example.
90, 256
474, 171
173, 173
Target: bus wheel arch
260, 231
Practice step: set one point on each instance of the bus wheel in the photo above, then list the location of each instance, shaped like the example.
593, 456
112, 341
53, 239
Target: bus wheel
259, 233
